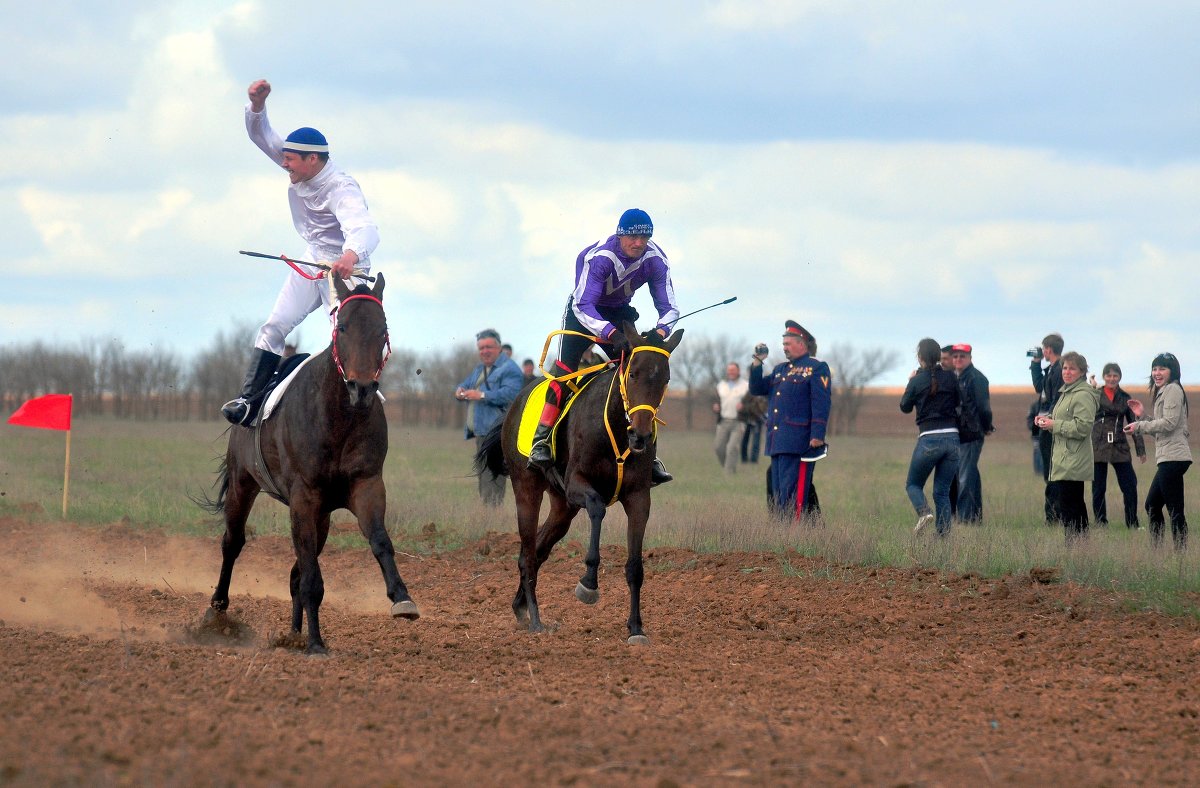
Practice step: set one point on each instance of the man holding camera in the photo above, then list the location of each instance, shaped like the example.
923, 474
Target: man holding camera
1047, 383
798, 393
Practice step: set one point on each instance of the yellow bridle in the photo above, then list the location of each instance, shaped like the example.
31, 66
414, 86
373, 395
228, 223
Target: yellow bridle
623, 376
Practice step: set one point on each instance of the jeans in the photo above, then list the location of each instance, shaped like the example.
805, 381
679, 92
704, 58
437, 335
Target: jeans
970, 486
936, 454
1167, 488
750, 442
1126, 480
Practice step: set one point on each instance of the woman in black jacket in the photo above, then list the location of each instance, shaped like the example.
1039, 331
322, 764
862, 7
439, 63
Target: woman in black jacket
933, 393
1111, 447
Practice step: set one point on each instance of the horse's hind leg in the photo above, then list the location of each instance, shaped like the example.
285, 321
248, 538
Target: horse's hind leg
368, 502
239, 500
588, 588
637, 512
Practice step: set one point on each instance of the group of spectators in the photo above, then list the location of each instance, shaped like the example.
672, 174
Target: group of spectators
740, 419
1085, 427
1081, 425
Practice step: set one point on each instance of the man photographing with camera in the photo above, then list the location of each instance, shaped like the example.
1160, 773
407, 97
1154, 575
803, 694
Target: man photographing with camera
1047, 383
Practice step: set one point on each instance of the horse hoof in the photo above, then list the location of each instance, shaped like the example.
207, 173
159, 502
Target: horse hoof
406, 609
638, 640
317, 650
588, 596
536, 628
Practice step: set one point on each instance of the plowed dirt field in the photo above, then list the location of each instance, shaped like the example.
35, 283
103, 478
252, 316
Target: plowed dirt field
762, 669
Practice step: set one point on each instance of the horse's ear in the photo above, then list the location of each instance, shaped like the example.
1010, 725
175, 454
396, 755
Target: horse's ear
630, 332
673, 340
377, 290
340, 288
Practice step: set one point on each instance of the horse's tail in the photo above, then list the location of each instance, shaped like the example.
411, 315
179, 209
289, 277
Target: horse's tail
217, 505
491, 453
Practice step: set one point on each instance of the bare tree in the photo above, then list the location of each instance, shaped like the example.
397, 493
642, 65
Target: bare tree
217, 372
853, 370
442, 372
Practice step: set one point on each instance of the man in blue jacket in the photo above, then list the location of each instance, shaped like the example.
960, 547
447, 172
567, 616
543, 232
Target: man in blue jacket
488, 391
798, 393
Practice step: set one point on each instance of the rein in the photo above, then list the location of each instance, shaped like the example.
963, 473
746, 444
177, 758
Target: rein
386, 338
623, 376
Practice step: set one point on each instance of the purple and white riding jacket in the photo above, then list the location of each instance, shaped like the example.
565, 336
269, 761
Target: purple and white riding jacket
605, 278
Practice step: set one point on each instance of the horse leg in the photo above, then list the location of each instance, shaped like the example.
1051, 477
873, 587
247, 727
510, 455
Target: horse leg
310, 528
529, 503
239, 500
588, 588
368, 502
637, 512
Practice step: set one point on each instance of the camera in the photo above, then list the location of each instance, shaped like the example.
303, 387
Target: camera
1034, 352
761, 349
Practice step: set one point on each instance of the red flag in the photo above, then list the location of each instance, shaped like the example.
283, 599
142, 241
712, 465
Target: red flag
51, 412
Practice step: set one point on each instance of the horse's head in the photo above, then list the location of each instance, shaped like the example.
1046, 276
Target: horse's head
645, 373
360, 339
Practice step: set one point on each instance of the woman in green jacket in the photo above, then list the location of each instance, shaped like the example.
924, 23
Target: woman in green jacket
1072, 462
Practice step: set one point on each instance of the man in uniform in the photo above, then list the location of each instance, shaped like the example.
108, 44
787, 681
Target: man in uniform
798, 393
607, 274
329, 213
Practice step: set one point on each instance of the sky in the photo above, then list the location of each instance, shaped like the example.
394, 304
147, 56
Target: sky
881, 172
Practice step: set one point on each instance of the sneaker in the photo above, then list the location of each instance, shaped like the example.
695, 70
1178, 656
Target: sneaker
922, 521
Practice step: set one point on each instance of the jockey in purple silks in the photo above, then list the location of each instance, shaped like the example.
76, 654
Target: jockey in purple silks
607, 274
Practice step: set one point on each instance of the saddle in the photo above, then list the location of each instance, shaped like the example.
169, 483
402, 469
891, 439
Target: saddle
263, 402
532, 413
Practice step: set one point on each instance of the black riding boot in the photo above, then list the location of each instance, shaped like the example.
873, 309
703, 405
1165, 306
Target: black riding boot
539, 453
262, 366
659, 474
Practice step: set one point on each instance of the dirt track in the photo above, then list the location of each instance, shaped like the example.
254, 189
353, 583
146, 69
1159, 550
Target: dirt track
754, 675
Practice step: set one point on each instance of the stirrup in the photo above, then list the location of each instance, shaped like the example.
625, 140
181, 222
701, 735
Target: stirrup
236, 410
659, 474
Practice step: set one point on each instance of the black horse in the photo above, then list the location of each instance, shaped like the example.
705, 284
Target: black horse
322, 449
605, 450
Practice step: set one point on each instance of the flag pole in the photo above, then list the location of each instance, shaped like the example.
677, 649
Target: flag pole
67, 475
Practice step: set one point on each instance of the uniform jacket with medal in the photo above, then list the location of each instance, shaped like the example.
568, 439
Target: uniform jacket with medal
798, 397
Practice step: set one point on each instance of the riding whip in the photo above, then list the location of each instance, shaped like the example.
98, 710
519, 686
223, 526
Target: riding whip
729, 300
295, 263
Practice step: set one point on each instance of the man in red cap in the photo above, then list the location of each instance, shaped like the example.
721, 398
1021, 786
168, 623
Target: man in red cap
974, 423
798, 393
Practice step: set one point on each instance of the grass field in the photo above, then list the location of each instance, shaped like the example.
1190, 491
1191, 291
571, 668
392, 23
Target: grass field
143, 473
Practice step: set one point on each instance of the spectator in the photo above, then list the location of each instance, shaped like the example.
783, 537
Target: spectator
798, 391
1047, 384
730, 427
933, 392
488, 391
330, 214
1071, 425
947, 363
1171, 450
753, 414
975, 421
528, 371
506, 349
1111, 446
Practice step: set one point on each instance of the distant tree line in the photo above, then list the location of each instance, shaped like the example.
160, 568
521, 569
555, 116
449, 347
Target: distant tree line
106, 379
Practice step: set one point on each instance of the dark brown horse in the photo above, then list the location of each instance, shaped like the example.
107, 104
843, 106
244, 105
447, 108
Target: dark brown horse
605, 450
322, 449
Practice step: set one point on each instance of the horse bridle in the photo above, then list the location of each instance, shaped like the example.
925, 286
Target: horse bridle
623, 375
386, 338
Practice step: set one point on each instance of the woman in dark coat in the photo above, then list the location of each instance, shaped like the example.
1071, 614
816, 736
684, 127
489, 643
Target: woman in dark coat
1111, 447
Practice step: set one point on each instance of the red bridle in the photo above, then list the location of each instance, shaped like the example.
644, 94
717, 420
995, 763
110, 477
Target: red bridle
386, 338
